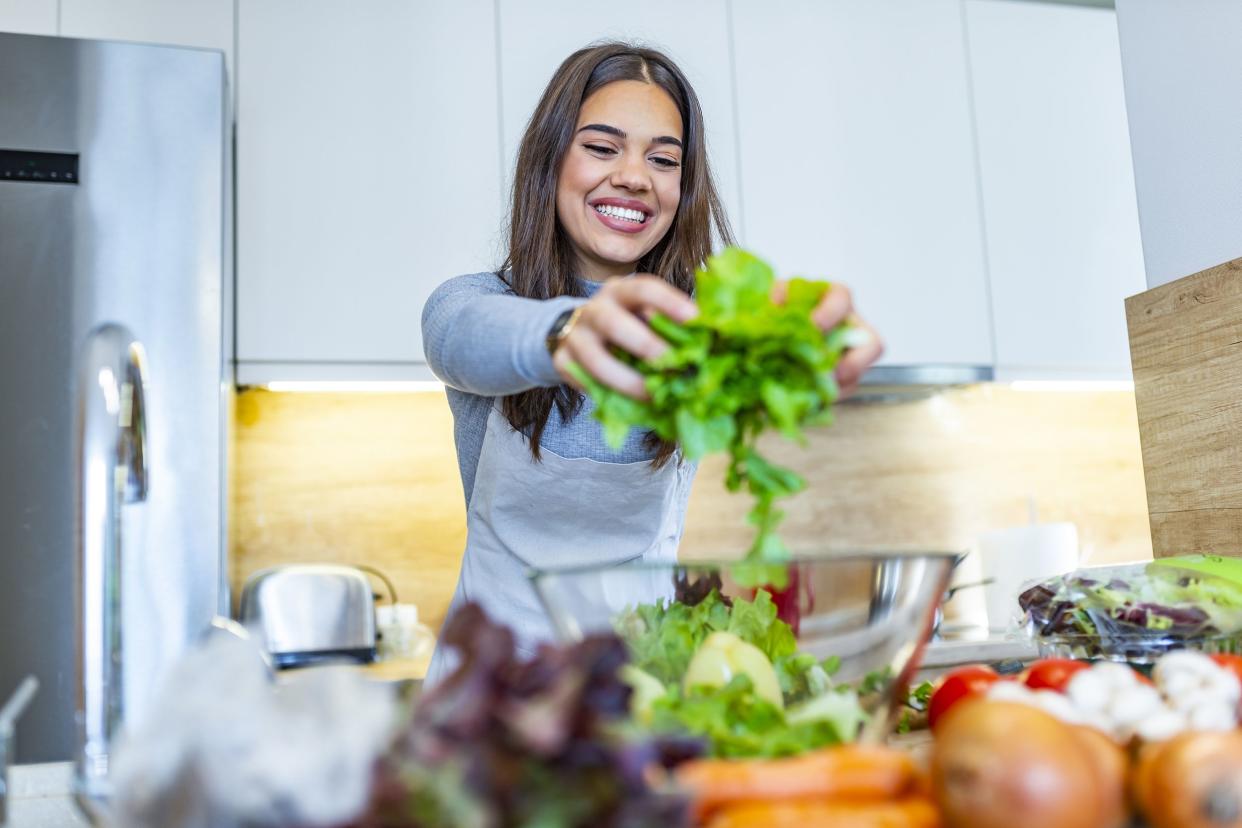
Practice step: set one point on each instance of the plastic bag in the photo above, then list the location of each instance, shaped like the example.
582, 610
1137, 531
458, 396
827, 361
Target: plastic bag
226, 746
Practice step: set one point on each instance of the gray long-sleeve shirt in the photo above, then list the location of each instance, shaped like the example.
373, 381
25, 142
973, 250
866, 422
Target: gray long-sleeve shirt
484, 342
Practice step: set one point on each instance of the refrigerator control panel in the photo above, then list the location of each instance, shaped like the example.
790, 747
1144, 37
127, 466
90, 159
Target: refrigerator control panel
40, 167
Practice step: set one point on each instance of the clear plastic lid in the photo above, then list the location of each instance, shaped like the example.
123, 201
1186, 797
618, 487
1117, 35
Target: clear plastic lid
1134, 612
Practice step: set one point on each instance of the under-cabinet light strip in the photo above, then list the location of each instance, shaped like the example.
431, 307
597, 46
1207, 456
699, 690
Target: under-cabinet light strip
354, 387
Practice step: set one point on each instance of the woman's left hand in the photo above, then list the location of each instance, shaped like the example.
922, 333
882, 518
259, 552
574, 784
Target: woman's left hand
837, 307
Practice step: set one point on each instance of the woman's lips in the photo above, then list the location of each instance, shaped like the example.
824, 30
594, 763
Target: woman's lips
619, 224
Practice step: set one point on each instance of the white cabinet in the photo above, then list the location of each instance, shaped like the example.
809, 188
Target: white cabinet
28, 16
368, 168
1058, 187
1183, 70
535, 37
858, 163
207, 24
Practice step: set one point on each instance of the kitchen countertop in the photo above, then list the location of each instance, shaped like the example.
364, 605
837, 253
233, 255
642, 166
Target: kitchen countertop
943, 655
397, 669
41, 796
997, 647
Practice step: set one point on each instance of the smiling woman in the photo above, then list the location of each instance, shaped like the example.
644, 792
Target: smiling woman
613, 210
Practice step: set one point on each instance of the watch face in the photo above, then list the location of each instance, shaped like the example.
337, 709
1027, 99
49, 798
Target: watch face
556, 332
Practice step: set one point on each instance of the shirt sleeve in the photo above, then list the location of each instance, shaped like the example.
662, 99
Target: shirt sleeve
490, 343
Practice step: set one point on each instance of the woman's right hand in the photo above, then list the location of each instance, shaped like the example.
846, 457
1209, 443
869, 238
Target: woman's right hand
616, 315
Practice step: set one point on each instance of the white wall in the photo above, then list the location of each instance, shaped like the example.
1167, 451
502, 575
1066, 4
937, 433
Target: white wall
1183, 80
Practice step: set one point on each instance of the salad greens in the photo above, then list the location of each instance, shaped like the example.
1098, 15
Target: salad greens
915, 708
743, 365
668, 641
1135, 609
739, 723
1120, 600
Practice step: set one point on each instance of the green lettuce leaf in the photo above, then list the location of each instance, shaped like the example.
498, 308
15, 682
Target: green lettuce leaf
738, 723
743, 366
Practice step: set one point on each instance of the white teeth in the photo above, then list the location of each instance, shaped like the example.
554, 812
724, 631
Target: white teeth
636, 216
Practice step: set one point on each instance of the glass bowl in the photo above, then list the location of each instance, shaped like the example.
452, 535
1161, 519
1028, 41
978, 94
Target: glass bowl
870, 613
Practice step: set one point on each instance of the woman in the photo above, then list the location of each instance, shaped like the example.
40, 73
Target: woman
613, 210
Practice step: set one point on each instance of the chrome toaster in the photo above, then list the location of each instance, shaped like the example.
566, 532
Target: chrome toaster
311, 613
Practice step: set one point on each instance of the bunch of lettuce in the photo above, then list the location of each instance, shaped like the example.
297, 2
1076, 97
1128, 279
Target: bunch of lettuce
737, 723
504, 742
744, 365
736, 720
664, 636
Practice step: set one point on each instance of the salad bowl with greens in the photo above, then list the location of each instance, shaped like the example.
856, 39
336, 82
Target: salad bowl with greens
760, 663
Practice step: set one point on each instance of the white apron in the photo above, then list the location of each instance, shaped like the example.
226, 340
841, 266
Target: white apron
559, 512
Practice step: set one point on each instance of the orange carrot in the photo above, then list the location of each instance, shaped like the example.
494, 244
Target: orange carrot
851, 772
911, 812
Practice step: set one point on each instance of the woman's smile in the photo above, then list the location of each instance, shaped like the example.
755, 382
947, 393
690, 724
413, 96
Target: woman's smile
623, 215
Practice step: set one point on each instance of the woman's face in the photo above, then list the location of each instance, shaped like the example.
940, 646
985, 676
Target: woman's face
620, 179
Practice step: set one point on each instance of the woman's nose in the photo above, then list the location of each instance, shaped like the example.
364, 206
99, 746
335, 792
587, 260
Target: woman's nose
631, 173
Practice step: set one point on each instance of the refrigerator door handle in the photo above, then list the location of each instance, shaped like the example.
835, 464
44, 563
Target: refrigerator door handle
112, 469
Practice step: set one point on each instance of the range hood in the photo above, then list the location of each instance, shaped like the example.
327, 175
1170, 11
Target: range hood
903, 383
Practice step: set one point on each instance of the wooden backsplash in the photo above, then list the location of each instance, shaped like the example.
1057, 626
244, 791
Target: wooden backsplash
372, 478
1186, 347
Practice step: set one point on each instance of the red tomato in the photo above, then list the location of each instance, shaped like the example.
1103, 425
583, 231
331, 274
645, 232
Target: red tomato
957, 685
1053, 673
1232, 663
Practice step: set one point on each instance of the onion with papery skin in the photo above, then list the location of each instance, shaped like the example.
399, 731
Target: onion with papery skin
1007, 765
1192, 781
1112, 766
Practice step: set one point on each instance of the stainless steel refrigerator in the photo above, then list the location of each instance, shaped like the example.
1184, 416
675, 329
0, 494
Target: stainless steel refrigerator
114, 208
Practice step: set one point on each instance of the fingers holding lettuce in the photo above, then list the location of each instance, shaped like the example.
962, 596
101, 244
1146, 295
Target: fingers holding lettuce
618, 338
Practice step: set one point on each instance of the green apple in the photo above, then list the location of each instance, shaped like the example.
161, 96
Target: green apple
840, 709
722, 656
646, 689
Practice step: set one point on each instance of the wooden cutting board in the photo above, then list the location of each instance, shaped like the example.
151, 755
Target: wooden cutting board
1186, 350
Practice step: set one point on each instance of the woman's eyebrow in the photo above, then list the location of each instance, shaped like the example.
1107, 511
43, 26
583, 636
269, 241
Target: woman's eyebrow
611, 130
620, 133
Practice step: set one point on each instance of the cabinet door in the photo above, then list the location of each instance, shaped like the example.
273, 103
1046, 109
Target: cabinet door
1058, 187
368, 172
28, 16
536, 37
1183, 70
207, 24
857, 164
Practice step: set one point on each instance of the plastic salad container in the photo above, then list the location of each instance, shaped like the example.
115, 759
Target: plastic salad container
1136, 612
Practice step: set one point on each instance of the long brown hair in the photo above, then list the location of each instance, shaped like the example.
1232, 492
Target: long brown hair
541, 264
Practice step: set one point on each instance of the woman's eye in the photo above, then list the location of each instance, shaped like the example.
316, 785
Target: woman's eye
667, 163
600, 148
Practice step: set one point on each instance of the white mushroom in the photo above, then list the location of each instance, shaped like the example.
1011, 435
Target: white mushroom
1161, 727
1049, 701
1010, 691
1060, 706
1200, 688
1137, 704
1213, 716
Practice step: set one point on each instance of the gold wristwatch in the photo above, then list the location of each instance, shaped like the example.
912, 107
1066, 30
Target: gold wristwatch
561, 326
